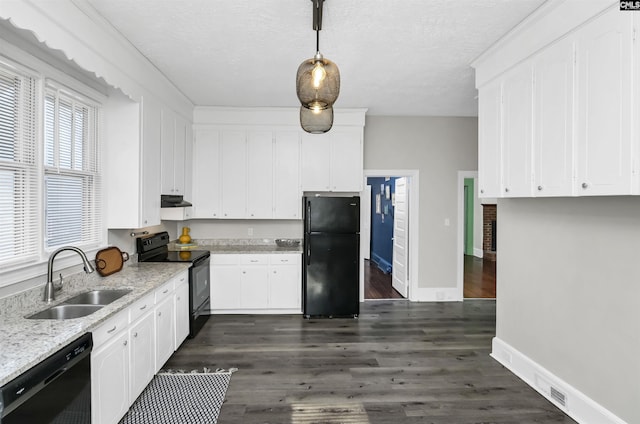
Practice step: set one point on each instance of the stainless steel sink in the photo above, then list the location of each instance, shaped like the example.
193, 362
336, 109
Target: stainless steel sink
82, 304
66, 311
97, 297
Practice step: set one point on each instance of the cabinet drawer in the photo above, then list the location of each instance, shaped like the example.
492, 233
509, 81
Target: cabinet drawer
165, 290
110, 328
285, 259
224, 259
141, 306
254, 259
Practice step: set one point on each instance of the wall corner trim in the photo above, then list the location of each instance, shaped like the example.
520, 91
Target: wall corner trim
578, 406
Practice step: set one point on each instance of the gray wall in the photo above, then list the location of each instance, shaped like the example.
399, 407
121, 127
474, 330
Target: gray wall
569, 292
438, 148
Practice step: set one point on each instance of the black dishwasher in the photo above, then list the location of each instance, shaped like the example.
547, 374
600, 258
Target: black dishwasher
57, 390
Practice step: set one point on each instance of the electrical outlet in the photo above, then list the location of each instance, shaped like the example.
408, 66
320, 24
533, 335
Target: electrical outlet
447, 222
250, 231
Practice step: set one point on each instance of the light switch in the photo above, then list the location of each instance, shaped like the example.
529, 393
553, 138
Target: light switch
447, 222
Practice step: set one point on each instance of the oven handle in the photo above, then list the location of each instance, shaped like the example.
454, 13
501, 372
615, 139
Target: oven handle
200, 261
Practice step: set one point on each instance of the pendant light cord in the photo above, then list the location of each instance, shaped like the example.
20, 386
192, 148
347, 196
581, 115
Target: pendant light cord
317, 41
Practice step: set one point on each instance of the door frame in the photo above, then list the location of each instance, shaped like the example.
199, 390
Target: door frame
413, 177
460, 244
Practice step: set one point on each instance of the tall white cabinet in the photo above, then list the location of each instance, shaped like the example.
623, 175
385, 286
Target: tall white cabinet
558, 121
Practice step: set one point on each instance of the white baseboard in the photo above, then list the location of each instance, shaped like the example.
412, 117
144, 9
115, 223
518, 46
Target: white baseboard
436, 294
576, 404
478, 253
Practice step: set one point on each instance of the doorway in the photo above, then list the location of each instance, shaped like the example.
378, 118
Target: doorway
476, 268
389, 239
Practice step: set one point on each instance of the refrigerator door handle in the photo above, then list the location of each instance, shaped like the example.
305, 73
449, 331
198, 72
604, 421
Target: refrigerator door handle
308, 216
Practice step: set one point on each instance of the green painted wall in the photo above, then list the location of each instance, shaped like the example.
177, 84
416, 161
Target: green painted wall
468, 216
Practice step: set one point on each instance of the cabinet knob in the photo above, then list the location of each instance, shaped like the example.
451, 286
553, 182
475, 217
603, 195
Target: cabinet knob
539, 188
506, 190
585, 185
481, 191
159, 314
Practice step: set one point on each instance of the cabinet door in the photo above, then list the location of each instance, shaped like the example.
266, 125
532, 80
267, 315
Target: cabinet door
150, 166
285, 283
604, 105
260, 175
233, 150
254, 287
346, 160
182, 313
286, 176
165, 338
142, 355
110, 381
489, 140
552, 146
316, 162
206, 164
517, 96
179, 146
167, 138
225, 287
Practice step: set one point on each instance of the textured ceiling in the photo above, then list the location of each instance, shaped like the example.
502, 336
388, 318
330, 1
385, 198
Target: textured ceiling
396, 57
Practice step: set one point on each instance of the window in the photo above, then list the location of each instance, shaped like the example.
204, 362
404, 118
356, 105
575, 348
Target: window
19, 171
71, 174
50, 182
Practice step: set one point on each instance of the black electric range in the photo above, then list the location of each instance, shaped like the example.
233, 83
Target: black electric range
153, 248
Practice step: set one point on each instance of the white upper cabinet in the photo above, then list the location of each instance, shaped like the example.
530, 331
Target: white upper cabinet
260, 174
517, 114
316, 162
489, 140
173, 148
332, 161
553, 149
206, 170
564, 121
604, 104
132, 152
233, 151
286, 176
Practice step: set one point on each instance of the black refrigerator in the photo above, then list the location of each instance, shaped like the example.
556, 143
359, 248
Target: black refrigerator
331, 255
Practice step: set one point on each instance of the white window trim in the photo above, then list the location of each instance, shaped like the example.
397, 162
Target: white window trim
45, 74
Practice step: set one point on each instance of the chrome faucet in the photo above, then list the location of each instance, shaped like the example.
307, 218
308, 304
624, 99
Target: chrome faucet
49, 289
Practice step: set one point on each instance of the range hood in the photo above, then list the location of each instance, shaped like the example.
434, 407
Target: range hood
173, 201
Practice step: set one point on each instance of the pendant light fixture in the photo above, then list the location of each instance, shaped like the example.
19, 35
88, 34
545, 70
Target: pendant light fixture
317, 84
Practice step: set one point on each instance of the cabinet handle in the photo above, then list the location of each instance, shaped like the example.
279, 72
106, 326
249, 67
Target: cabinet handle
166, 291
244, 272
178, 298
481, 191
284, 260
143, 308
539, 188
253, 260
506, 190
159, 314
112, 330
135, 334
585, 185
124, 343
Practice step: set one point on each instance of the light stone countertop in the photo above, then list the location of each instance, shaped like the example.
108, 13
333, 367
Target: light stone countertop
26, 342
239, 246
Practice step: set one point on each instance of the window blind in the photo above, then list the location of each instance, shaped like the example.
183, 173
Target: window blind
19, 171
72, 181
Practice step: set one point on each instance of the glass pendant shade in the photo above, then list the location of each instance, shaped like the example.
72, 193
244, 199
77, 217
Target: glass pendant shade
316, 121
318, 83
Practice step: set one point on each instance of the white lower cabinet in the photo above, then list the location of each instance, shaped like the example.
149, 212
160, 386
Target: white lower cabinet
132, 345
110, 380
259, 283
182, 311
142, 355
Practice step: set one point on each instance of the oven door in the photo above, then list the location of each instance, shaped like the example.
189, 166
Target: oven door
199, 285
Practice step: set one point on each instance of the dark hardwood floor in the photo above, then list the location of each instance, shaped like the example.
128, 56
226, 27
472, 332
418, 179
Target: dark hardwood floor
377, 284
479, 278
400, 362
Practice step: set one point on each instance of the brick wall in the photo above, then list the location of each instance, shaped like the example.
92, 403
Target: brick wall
489, 213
